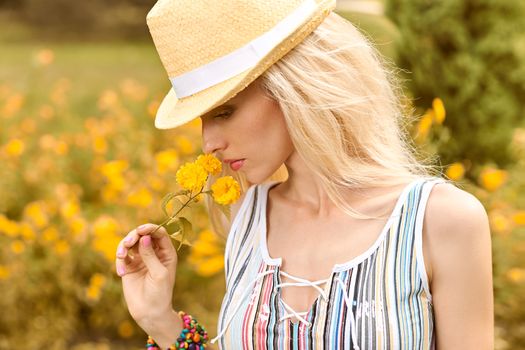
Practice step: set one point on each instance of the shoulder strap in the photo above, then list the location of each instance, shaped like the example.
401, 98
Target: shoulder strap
425, 189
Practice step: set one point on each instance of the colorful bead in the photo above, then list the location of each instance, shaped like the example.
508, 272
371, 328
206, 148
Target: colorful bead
192, 337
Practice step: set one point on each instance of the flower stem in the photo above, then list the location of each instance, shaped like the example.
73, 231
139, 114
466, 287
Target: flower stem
163, 224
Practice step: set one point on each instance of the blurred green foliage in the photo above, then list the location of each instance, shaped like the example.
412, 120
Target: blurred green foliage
471, 54
94, 19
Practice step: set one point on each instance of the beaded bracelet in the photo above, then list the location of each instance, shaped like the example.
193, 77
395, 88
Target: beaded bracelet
192, 337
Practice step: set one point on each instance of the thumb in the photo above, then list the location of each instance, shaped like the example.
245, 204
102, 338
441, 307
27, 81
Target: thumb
156, 269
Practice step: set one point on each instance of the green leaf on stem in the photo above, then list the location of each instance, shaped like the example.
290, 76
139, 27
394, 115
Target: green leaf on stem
169, 197
182, 230
179, 237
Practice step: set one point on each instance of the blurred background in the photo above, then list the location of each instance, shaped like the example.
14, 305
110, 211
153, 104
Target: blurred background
81, 163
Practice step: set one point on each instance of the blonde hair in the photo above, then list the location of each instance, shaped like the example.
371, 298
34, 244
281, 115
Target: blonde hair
345, 112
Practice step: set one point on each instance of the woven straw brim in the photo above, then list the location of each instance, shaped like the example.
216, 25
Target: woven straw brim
174, 112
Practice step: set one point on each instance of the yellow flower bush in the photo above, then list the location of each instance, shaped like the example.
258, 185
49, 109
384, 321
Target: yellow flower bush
206, 256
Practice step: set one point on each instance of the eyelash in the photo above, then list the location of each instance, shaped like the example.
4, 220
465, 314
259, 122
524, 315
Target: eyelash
223, 115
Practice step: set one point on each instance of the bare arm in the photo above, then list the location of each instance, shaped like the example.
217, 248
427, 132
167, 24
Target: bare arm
458, 247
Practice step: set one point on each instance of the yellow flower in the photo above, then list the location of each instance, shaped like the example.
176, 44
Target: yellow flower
14, 147
36, 212
107, 246
4, 272
492, 179
166, 160
156, 182
97, 280
439, 110
424, 125
108, 100
61, 148
184, 145
9, 227
133, 89
519, 218
12, 105
211, 266
210, 163
93, 293
125, 329
516, 274
114, 168
18, 246
50, 234
62, 247
77, 226
106, 232
100, 145
69, 208
105, 225
140, 198
44, 57
499, 223
46, 112
191, 176
226, 190
27, 232
455, 171
206, 254
152, 108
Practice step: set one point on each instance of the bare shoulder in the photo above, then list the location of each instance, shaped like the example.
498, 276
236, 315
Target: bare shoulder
452, 211
454, 221
457, 244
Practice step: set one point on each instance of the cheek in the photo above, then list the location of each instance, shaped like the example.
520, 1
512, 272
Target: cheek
275, 138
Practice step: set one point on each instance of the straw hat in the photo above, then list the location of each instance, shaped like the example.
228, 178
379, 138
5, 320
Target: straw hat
213, 49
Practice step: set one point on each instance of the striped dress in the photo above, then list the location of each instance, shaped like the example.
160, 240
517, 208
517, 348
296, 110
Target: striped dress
378, 300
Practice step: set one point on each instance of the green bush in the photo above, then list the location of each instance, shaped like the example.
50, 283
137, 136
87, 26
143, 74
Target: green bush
471, 54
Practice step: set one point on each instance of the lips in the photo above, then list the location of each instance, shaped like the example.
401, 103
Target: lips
235, 164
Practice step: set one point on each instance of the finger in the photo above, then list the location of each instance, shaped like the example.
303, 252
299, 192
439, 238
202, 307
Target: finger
160, 236
156, 269
122, 251
122, 265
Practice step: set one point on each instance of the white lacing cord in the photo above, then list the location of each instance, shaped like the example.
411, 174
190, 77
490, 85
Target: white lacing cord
301, 283
304, 282
296, 314
349, 306
246, 292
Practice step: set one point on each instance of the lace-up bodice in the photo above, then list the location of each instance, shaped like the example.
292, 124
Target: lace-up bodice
378, 300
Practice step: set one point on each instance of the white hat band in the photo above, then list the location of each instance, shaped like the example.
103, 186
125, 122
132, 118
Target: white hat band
244, 58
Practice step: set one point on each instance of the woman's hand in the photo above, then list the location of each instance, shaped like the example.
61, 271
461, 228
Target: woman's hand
147, 263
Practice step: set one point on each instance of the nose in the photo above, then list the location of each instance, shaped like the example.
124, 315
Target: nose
213, 139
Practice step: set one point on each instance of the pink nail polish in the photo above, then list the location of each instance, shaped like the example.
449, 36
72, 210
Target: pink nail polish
142, 227
121, 270
146, 241
121, 250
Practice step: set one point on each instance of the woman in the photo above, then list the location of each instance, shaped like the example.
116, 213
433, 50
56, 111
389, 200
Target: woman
342, 239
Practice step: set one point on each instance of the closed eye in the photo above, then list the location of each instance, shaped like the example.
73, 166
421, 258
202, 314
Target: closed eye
223, 115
